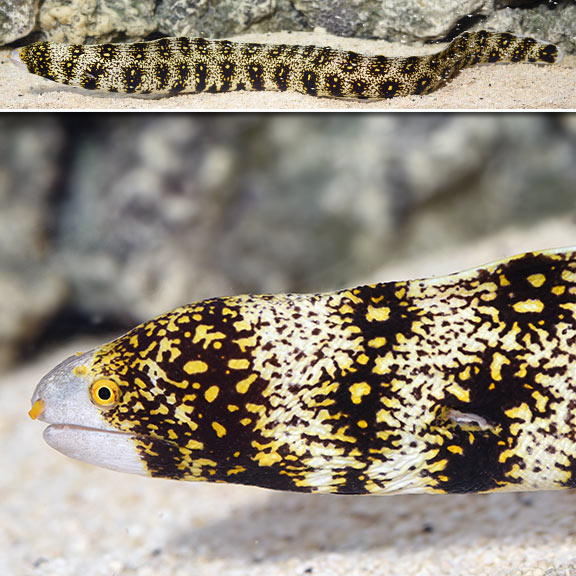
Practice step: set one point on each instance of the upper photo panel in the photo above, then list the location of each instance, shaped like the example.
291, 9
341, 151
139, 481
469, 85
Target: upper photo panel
288, 54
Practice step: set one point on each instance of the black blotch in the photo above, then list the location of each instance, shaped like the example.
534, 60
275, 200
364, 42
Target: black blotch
202, 46
281, 77
351, 62
495, 55
323, 56
256, 76
162, 76
277, 50
138, 51
379, 66
309, 80
132, 78
200, 75
422, 84
107, 51
251, 50
164, 48
409, 66
333, 85
548, 54
358, 88
182, 44
92, 76
181, 78
389, 88
225, 48
227, 70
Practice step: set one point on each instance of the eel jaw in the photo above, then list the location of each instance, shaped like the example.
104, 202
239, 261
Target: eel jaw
107, 449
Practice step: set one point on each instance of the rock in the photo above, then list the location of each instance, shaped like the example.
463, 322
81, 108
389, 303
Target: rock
220, 18
17, 19
557, 25
31, 287
170, 210
94, 21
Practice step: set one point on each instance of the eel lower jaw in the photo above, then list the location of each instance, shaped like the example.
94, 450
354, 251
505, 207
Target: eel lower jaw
110, 449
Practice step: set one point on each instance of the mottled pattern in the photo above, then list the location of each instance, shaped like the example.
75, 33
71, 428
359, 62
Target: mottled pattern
458, 384
173, 65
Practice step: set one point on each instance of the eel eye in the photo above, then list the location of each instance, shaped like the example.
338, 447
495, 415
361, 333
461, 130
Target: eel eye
105, 393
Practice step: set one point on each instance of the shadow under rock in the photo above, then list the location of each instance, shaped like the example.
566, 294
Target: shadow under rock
289, 525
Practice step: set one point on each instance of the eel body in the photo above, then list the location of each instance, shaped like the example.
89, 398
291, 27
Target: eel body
173, 65
465, 383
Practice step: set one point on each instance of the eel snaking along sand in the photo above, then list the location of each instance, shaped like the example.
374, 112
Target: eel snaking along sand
465, 383
173, 65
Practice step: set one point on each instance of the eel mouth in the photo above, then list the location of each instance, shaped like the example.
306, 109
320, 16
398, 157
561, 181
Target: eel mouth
112, 449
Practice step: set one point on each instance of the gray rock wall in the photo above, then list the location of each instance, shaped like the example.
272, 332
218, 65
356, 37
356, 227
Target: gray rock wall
394, 20
116, 218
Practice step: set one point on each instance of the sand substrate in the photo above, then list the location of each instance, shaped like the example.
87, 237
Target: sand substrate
60, 517
498, 86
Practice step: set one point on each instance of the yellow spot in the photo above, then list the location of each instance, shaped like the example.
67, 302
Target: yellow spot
195, 367
268, 459
346, 309
438, 466
242, 326
382, 364
358, 390
212, 393
461, 393
521, 412
503, 280
504, 455
243, 385
378, 314
569, 276
238, 364
400, 293
521, 373
541, 401
363, 359
362, 424
443, 478
37, 409
558, 290
498, 360
529, 306
232, 408
194, 445
465, 374
79, 370
219, 429
236, 470
245, 421
536, 280
455, 449
377, 342
246, 343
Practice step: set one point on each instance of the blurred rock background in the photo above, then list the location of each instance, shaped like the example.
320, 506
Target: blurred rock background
107, 220
91, 21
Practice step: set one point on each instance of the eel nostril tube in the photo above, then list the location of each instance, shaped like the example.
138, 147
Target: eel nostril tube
37, 409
